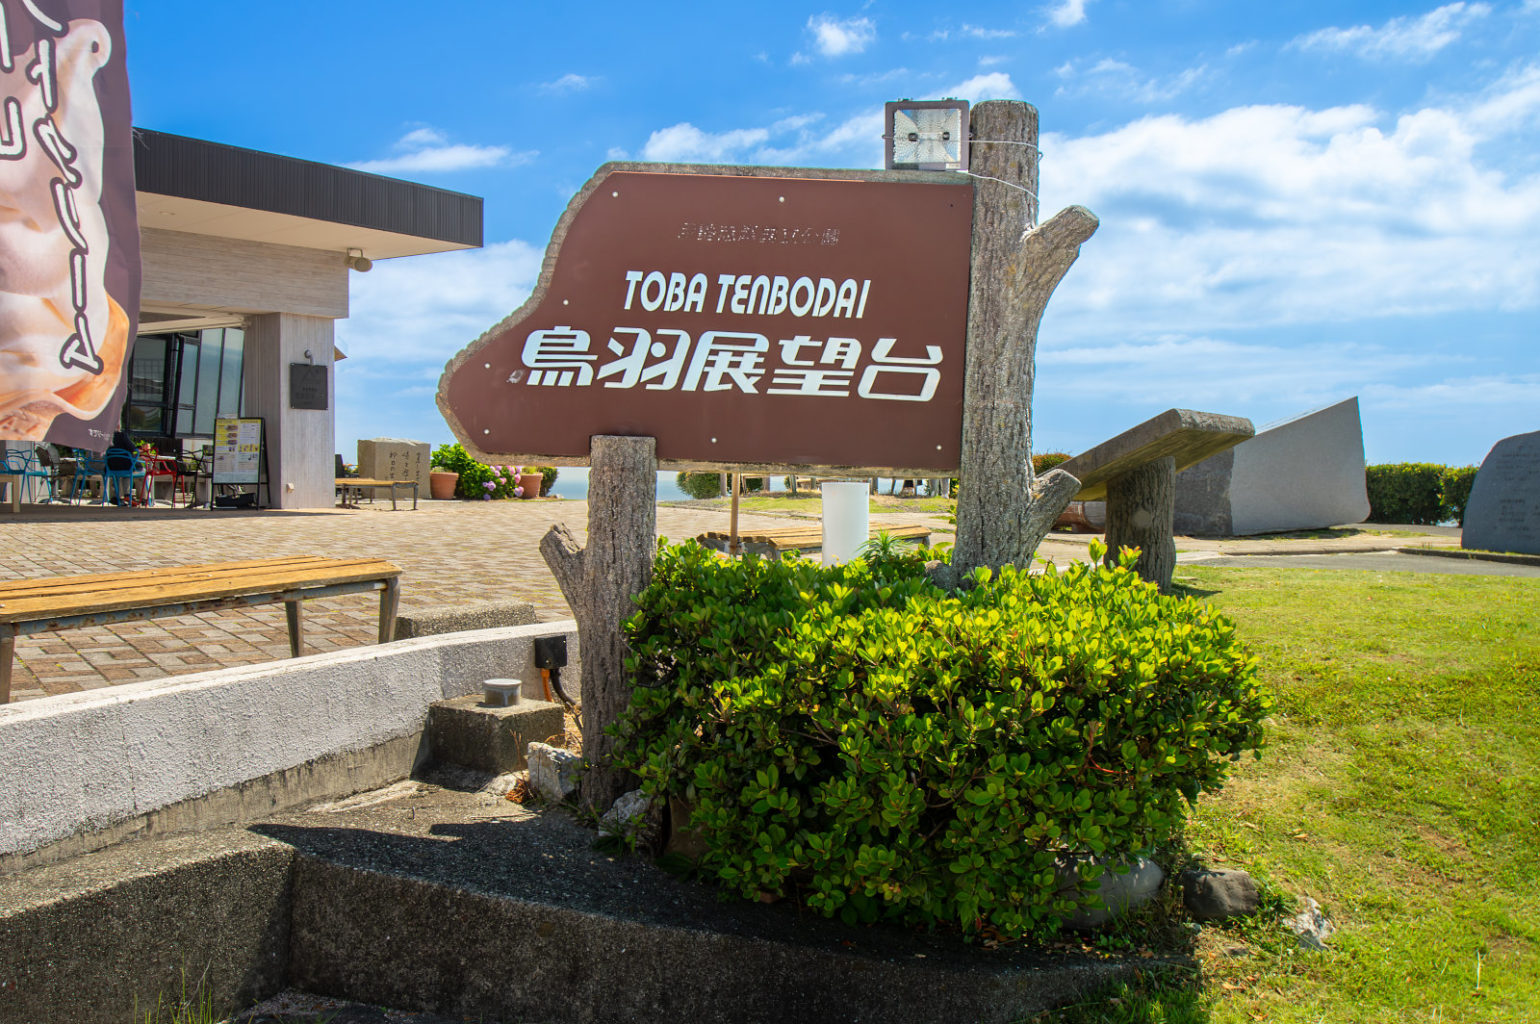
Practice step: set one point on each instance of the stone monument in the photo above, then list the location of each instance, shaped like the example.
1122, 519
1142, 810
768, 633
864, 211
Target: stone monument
1302, 474
389, 458
1503, 513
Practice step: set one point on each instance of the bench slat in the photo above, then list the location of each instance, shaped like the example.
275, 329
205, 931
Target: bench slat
171, 571
70, 596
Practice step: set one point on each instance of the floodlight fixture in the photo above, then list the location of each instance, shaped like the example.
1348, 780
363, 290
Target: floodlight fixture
358, 261
926, 135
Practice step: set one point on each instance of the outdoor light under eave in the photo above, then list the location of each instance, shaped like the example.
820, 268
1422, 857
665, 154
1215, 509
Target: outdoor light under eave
926, 135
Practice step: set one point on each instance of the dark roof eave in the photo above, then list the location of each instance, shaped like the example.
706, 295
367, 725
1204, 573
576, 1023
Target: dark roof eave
188, 168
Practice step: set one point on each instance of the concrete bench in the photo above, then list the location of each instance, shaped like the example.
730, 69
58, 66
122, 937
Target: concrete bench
774, 543
1136, 473
355, 486
64, 602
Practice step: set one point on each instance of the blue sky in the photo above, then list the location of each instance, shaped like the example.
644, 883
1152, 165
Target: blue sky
1300, 201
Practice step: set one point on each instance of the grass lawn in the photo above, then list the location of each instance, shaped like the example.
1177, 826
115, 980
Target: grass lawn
1400, 789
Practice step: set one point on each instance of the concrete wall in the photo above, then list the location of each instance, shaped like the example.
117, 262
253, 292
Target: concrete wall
300, 442
87, 763
208, 274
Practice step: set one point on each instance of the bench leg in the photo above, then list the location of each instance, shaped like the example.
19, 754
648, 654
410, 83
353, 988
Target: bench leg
390, 600
296, 626
7, 655
1141, 505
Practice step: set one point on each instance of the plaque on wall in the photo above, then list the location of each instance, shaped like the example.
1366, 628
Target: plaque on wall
307, 386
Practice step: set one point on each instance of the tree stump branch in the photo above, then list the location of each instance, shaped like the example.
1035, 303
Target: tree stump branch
599, 582
1002, 512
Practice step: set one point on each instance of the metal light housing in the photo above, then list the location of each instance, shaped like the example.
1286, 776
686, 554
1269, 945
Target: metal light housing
926, 135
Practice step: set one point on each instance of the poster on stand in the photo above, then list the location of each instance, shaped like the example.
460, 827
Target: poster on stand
238, 451
69, 233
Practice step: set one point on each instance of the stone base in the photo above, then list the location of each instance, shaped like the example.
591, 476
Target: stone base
462, 617
464, 731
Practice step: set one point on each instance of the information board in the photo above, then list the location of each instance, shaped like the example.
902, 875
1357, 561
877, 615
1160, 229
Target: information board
740, 319
238, 451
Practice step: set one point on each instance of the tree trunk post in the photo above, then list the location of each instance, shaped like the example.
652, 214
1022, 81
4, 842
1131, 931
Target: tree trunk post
1141, 506
1003, 513
599, 582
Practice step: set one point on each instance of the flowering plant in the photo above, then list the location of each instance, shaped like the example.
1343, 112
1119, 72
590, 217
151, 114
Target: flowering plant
479, 481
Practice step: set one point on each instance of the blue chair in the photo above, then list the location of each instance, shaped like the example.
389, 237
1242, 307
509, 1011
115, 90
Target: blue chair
87, 467
121, 467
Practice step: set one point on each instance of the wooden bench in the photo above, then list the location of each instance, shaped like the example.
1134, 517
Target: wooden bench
356, 485
63, 602
1135, 473
775, 543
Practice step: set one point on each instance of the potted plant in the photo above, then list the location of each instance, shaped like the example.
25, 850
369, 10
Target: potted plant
529, 483
441, 483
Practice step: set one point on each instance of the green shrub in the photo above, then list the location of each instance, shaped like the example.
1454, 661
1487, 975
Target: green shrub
700, 485
1423, 493
886, 749
1456, 484
547, 479
1045, 461
709, 485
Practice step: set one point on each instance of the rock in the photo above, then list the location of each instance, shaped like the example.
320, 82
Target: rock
631, 818
1216, 895
1311, 925
553, 772
1119, 892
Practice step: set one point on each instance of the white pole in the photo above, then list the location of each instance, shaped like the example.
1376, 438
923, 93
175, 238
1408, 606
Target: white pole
846, 520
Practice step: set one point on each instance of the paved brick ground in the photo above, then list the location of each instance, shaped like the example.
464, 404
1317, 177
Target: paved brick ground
449, 552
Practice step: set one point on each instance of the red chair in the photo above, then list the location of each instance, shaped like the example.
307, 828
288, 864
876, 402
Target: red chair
165, 467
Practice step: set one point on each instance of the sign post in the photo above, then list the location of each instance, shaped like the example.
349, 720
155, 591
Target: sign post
858, 323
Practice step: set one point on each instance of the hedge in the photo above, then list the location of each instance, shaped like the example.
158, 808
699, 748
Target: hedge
1423, 493
879, 748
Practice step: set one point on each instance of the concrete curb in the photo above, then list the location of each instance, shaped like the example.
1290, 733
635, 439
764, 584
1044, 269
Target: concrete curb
1514, 558
82, 765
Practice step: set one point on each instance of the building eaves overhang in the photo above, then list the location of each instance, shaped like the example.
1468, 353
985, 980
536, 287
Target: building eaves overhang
208, 188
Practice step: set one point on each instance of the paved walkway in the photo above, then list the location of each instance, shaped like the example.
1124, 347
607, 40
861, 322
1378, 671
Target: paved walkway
450, 552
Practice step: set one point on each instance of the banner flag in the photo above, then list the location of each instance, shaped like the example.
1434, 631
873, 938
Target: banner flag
69, 233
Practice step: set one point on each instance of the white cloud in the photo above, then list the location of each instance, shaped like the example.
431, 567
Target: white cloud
1477, 392
569, 82
1115, 78
420, 310
1403, 38
1066, 13
808, 138
426, 150
1206, 372
685, 143
995, 85
834, 37
970, 32
1284, 215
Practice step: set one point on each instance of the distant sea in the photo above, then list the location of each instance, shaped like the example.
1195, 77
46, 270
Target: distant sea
572, 482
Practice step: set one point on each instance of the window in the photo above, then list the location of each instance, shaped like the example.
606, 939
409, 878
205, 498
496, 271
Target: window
178, 383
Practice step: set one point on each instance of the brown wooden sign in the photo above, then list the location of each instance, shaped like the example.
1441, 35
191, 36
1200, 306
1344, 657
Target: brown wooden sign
741, 316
